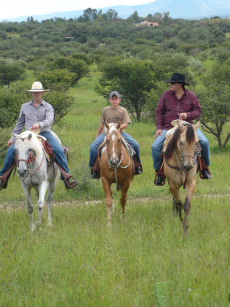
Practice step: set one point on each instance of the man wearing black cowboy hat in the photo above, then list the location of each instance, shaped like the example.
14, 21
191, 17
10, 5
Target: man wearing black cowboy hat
177, 103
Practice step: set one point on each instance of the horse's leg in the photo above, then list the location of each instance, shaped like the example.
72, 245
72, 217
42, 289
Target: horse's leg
51, 188
30, 207
177, 204
124, 195
109, 201
190, 188
42, 192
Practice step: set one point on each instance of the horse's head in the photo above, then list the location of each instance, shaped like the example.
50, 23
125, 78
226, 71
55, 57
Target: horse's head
114, 144
187, 145
184, 142
26, 145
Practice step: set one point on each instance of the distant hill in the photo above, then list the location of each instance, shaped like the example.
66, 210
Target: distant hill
192, 9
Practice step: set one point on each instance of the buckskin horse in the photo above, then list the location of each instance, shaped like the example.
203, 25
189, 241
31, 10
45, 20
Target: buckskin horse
180, 164
116, 166
34, 173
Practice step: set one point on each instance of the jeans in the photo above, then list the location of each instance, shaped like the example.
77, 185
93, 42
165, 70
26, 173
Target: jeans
159, 142
57, 148
99, 140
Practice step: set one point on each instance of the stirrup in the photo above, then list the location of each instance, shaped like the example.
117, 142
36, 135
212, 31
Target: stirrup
159, 182
3, 184
70, 184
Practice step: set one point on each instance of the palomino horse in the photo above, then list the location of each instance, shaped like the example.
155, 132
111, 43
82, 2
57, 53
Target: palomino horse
34, 173
180, 164
116, 166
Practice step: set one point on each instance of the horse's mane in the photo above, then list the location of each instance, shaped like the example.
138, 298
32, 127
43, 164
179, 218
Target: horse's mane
172, 144
190, 135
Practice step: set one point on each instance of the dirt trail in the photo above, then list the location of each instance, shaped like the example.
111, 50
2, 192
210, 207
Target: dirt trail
22, 205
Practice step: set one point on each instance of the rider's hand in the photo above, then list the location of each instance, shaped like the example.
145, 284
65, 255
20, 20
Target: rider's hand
158, 132
10, 143
183, 115
35, 126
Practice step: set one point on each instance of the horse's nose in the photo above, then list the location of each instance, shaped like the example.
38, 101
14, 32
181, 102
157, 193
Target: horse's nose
188, 167
114, 162
21, 172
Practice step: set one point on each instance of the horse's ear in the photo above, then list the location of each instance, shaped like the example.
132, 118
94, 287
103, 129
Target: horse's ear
29, 136
180, 125
118, 126
107, 126
197, 125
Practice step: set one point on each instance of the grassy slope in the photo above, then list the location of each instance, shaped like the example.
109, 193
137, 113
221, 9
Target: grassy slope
144, 262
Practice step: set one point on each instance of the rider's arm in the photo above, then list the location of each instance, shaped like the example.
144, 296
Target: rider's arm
196, 110
160, 113
123, 126
100, 129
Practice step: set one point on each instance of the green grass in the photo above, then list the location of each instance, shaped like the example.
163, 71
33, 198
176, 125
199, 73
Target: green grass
144, 261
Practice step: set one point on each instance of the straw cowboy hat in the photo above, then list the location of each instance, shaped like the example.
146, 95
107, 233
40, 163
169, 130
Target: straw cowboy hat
37, 87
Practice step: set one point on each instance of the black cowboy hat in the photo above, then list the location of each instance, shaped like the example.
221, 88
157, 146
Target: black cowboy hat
177, 78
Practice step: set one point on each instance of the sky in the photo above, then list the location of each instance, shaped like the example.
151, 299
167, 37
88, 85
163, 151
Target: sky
17, 8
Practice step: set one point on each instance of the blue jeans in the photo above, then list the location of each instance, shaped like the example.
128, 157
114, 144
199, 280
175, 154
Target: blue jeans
99, 140
159, 142
57, 148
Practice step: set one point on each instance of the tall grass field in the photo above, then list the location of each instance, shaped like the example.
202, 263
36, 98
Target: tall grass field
145, 260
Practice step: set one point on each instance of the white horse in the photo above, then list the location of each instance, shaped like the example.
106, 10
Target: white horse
34, 173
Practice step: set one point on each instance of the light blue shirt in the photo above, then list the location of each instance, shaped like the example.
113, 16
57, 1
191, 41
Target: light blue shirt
30, 115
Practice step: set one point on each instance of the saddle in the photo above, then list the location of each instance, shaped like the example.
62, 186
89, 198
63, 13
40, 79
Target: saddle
51, 158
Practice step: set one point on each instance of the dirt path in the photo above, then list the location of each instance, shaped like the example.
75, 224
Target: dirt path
22, 205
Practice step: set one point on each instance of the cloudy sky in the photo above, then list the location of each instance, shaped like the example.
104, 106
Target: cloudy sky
16, 8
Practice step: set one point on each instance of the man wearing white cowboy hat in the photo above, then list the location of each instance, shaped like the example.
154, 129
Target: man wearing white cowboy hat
37, 114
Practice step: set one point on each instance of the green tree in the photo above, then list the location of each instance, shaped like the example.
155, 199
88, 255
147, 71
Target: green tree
61, 102
134, 79
111, 14
89, 14
57, 79
73, 64
11, 71
214, 93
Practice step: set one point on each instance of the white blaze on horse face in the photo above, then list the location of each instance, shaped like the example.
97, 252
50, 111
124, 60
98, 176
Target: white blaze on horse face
113, 149
112, 128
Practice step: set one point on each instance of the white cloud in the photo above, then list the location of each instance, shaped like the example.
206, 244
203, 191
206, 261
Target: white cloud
16, 8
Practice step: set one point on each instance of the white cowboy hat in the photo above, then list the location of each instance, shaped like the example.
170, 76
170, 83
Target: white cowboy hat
37, 87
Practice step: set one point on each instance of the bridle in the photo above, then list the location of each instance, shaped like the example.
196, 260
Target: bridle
30, 161
181, 159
